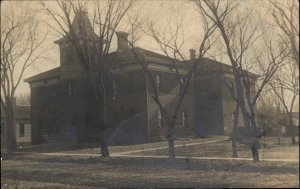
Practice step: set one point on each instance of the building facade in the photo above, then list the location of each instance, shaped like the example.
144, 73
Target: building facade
22, 125
63, 101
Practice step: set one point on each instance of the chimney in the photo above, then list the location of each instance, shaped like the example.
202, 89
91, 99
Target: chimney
122, 38
192, 54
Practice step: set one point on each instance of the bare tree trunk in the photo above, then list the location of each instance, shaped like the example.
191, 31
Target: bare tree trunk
290, 130
170, 138
103, 142
10, 125
255, 154
20, 48
235, 123
104, 147
255, 135
254, 148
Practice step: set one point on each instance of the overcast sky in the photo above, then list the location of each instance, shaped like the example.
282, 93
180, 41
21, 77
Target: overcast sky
158, 11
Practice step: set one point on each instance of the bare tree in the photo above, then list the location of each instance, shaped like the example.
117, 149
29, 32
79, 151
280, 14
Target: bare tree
170, 43
23, 99
20, 43
269, 113
231, 88
286, 17
239, 34
286, 83
285, 86
92, 43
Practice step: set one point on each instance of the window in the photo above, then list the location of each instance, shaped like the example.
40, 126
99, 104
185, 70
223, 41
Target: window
2, 126
21, 130
158, 82
132, 112
214, 96
70, 88
88, 119
132, 83
184, 118
159, 118
114, 88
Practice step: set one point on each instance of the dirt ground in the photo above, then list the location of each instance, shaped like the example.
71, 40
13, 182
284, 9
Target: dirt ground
36, 170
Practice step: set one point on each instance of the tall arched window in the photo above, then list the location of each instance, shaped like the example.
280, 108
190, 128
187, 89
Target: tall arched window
158, 83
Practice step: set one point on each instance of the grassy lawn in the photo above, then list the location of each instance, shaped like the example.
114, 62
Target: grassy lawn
269, 149
43, 171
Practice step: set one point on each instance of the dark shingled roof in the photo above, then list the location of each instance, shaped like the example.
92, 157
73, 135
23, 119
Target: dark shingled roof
44, 75
127, 55
215, 66
148, 53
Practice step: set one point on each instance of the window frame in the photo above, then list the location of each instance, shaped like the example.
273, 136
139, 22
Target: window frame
21, 132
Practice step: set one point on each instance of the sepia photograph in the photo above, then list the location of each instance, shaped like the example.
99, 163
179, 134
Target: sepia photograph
149, 94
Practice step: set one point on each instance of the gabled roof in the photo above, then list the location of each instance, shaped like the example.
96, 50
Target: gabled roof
44, 75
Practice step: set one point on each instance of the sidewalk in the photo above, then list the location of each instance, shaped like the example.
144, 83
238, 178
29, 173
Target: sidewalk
130, 154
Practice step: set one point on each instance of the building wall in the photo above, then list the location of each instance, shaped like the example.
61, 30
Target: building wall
229, 105
131, 114
26, 138
169, 88
208, 104
44, 110
127, 107
228, 108
64, 110
27, 131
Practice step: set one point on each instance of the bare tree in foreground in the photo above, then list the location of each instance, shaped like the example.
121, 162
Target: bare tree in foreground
92, 50
20, 43
239, 34
170, 44
231, 88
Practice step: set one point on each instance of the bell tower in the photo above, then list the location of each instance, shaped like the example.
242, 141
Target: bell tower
82, 29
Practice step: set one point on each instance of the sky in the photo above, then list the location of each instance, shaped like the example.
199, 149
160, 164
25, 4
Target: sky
161, 13
154, 10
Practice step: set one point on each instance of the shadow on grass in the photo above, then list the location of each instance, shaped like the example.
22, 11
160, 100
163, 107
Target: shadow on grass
81, 180
193, 165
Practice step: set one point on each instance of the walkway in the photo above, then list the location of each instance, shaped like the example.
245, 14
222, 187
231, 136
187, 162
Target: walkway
129, 153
